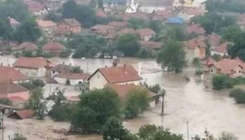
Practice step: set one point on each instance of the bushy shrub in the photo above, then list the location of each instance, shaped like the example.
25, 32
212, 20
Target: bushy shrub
221, 82
238, 95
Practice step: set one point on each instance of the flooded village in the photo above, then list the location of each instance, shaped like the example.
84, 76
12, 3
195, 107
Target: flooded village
122, 69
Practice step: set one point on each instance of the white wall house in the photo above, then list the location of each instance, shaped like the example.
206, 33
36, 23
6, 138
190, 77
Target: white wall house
71, 78
125, 74
32, 67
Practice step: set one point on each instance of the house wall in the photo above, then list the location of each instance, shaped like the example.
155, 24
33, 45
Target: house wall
64, 27
189, 55
218, 53
146, 38
237, 72
25, 95
213, 70
76, 29
39, 13
41, 72
73, 82
150, 9
97, 81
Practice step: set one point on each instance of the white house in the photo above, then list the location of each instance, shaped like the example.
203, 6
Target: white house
125, 74
149, 6
71, 78
33, 67
190, 12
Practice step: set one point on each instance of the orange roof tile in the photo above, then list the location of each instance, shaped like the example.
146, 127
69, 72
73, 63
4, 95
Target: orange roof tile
8, 88
194, 43
222, 48
213, 39
45, 23
27, 46
32, 63
22, 114
195, 28
117, 24
145, 32
53, 46
118, 74
10, 74
100, 13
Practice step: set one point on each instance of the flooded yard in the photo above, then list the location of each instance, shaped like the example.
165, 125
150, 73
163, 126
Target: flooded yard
184, 101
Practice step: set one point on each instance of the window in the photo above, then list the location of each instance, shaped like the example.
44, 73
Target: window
211, 70
240, 71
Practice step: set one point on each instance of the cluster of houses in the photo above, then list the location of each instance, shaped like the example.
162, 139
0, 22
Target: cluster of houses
121, 78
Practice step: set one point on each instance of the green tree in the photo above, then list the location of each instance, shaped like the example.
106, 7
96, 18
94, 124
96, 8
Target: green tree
137, 101
231, 33
76, 69
28, 31
37, 103
221, 82
238, 95
175, 33
172, 57
33, 84
113, 129
95, 108
128, 44
152, 132
137, 23
237, 49
18, 136
225, 6
6, 30
227, 136
6, 101
53, 16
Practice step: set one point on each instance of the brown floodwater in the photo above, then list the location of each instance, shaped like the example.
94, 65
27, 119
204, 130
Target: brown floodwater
184, 101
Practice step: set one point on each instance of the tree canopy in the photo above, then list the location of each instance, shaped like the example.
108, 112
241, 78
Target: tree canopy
238, 49
128, 44
172, 56
225, 6
95, 108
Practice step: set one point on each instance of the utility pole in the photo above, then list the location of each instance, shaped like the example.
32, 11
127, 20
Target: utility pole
2, 130
162, 93
187, 123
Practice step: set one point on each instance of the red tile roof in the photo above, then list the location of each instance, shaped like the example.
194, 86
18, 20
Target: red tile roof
8, 88
45, 23
53, 47
195, 28
72, 22
193, 11
127, 31
226, 66
194, 43
209, 61
151, 44
22, 114
102, 29
27, 46
32, 63
70, 75
118, 74
10, 74
16, 99
35, 6
145, 32
117, 24
213, 39
222, 48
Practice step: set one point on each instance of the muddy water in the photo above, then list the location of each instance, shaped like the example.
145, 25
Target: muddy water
183, 102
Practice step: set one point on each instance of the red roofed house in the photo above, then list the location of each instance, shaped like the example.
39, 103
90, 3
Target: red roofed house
189, 12
195, 28
33, 67
125, 74
213, 40
195, 48
146, 34
221, 49
68, 26
118, 24
231, 67
53, 47
22, 114
36, 8
46, 25
8, 74
73, 78
102, 29
25, 47
11, 90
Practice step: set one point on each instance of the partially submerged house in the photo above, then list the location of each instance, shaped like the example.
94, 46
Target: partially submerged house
70, 78
125, 74
21, 114
35, 67
26, 47
53, 47
68, 26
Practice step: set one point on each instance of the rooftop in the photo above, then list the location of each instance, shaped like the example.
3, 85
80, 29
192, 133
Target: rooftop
72, 22
45, 23
222, 48
195, 28
53, 46
62, 68
32, 63
118, 74
145, 32
194, 43
70, 75
10, 74
27, 46
8, 88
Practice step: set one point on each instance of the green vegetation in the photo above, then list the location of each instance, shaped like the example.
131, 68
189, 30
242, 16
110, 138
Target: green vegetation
76, 69
237, 50
221, 82
213, 23
93, 111
225, 6
238, 95
5, 101
137, 101
33, 84
61, 110
65, 54
153, 88
172, 57
18, 136
37, 103
128, 44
